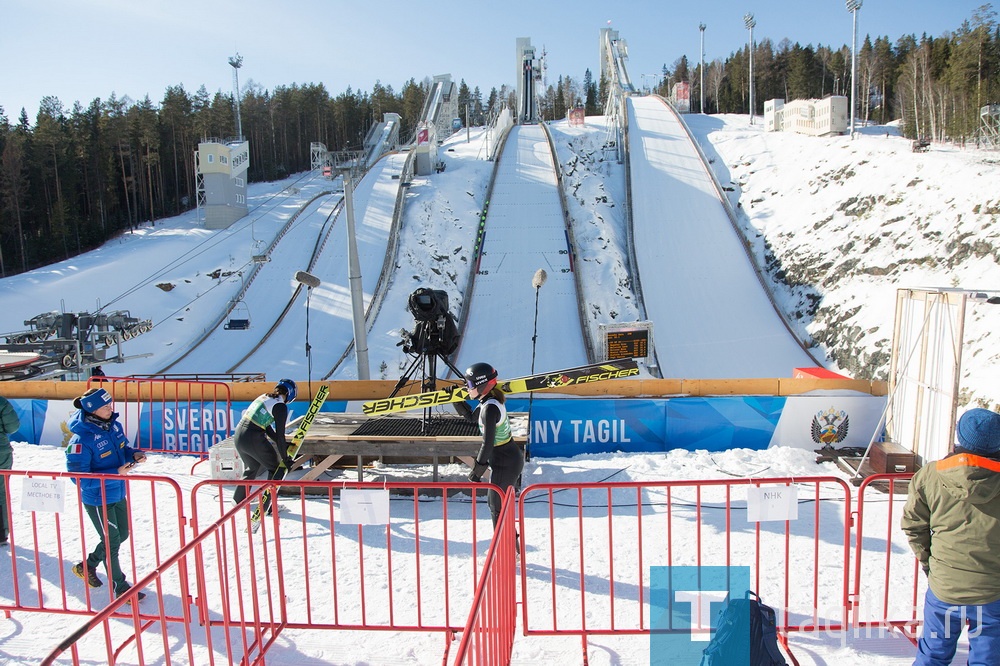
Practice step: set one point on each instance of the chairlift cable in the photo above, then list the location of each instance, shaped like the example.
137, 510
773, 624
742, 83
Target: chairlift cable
202, 247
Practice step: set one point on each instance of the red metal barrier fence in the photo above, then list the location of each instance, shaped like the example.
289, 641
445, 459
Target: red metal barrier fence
598, 577
893, 589
586, 553
171, 415
488, 637
415, 572
163, 629
37, 575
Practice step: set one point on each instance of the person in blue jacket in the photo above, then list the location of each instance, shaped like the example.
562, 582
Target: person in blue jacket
99, 446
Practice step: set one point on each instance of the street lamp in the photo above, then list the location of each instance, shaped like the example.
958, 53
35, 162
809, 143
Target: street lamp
354, 279
853, 6
537, 280
750, 22
236, 62
701, 27
310, 281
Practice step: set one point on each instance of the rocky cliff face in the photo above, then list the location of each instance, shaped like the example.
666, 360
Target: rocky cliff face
841, 225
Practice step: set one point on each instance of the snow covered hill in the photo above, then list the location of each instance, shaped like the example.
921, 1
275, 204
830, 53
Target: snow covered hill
842, 224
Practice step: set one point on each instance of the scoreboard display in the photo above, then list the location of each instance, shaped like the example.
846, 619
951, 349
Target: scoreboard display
626, 341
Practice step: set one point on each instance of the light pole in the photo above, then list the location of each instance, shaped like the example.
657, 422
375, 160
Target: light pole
853, 6
310, 281
750, 22
236, 62
537, 280
354, 280
701, 27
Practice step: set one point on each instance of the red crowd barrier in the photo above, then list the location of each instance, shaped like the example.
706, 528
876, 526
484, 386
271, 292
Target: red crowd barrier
170, 415
800, 567
893, 587
415, 573
163, 629
37, 576
350, 570
488, 637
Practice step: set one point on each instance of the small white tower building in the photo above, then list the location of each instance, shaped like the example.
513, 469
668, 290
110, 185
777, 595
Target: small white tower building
221, 169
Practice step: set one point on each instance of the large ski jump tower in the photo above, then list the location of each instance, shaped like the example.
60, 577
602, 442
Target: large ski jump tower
221, 168
529, 70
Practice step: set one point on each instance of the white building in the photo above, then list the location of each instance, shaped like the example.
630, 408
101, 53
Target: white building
816, 117
221, 180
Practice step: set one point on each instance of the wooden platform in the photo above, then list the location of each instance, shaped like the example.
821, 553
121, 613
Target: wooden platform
334, 437
860, 469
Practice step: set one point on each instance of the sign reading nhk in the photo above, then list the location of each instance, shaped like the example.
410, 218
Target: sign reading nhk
766, 503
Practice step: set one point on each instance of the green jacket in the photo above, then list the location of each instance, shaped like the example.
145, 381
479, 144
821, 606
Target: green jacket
9, 423
952, 519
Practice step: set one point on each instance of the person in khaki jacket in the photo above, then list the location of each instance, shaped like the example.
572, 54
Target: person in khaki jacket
952, 519
9, 424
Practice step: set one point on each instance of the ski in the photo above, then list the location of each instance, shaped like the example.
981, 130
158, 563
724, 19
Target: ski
585, 374
293, 449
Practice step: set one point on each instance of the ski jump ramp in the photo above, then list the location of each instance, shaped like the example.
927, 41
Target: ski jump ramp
525, 231
712, 317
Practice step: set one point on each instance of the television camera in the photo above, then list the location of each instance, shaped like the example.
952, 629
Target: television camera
434, 336
435, 331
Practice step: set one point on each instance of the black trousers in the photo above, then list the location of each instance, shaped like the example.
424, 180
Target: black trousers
506, 463
257, 453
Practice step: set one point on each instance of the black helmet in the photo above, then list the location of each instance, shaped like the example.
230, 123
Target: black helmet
481, 377
287, 386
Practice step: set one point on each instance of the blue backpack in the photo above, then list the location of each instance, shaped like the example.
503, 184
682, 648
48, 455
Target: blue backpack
742, 618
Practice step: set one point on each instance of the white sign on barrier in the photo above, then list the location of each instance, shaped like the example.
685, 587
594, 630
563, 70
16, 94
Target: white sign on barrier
364, 506
766, 503
47, 495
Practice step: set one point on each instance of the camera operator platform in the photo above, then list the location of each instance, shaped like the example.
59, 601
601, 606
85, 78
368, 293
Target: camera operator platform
403, 440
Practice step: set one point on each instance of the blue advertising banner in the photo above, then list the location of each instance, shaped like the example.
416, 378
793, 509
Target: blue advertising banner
195, 427
564, 428
185, 427
31, 414
179, 427
722, 423
560, 427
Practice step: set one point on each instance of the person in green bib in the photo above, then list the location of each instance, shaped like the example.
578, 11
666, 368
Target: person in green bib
498, 453
260, 434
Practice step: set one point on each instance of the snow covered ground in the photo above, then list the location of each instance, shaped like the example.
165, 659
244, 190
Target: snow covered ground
844, 222
27, 636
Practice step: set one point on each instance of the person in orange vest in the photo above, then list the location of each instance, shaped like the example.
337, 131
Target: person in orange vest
952, 520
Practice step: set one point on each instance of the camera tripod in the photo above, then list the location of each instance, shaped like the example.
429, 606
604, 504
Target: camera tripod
426, 363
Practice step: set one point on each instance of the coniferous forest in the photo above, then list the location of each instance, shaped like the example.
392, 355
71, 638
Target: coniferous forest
73, 177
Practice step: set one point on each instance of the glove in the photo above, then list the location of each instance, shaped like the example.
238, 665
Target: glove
476, 475
462, 409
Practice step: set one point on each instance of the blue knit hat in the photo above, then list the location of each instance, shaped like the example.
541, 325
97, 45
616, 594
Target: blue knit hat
91, 402
978, 431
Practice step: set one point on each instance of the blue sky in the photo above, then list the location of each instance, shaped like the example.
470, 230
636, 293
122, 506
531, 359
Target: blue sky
82, 50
